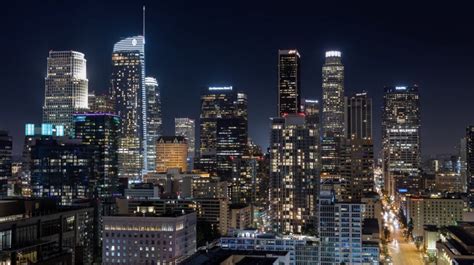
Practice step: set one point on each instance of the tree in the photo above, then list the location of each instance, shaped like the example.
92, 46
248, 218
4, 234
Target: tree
205, 233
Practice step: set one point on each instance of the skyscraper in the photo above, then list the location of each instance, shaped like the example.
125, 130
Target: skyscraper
171, 152
289, 89
186, 127
128, 83
102, 131
470, 161
154, 121
102, 103
311, 109
401, 139
5, 161
294, 174
66, 88
332, 114
223, 130
357, 152
62, 169
333, 95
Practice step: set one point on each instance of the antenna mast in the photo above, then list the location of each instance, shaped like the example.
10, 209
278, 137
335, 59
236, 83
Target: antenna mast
143, 24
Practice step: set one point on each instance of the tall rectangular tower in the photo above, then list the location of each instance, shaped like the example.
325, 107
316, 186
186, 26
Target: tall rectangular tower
469, 151
223, 130
128, 83
294, 174
66, 88
154, 121
186, 127
289, 88
5, 161
401, 139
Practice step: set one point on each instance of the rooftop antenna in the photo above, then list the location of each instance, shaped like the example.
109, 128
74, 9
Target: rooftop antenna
143, 24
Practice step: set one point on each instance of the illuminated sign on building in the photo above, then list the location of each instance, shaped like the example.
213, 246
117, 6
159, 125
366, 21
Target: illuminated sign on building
401, 88
217, 88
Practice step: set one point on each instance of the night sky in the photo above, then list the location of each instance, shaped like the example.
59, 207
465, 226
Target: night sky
194, 44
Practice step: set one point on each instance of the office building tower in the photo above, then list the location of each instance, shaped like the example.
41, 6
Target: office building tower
186, 127
456, 246
101, 130
311, 109
463, 163
289, 88
162, 238
333, 95
62, 169
332, 114
470, 162
66, 88
101, 103
358, 116
294, 174
401, 139
36, 231
223, 130
154, 121
128, 91
340, 229
171, 152
357, 150
5, 161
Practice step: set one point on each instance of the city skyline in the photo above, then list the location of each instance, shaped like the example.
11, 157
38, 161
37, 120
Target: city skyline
224, 66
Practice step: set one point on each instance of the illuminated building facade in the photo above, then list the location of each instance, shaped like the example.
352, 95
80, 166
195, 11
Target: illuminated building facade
289, 88
171, 152
101, 103
5, 161
340, 230
469, 158
37, 231
128, 83
101, 130
154, 121
62, 169
357, 149
332, 114
170, 238
186, 127
66, 88
223, 130
294, 174
401, 139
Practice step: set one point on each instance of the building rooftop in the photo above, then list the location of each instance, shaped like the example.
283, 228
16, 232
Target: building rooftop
217, 255
370, 226
257, 261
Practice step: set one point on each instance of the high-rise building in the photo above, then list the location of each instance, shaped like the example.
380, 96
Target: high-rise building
333, 95
128, 90
340, 230
171, 152
311, 109
101, 103
66, 88
289, 88
186, 127
357, 149
5, 161
358, 116
62, 169
223, 130
470, 161
332, 114
102, 131
401, 139
294, 174
154, 121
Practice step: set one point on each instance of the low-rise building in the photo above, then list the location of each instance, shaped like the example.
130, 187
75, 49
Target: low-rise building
217, 255
456, 245
148, 238
302, 249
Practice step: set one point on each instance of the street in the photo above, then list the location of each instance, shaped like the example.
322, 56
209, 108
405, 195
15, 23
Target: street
402, 252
